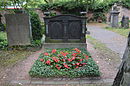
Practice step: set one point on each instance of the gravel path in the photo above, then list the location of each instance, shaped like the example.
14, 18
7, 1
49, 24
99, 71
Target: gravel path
111, 39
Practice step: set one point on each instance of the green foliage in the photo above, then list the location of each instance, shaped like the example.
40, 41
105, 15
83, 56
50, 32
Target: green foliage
99, 16
37, 30
41, 69
126, 3
3, 40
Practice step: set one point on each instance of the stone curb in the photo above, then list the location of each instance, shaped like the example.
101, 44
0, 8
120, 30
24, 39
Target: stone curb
62, 82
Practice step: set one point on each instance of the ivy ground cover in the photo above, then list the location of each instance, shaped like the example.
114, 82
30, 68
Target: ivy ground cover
65, 62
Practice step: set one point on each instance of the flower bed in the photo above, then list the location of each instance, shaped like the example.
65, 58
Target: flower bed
65, 62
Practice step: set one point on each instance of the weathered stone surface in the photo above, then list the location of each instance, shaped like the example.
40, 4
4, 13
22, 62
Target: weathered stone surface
123, 75
18, 29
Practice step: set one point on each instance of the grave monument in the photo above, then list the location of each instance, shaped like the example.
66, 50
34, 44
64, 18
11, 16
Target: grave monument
64, 31
18, 29
114, 16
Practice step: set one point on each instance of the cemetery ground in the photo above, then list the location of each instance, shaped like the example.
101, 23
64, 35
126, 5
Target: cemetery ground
16, 68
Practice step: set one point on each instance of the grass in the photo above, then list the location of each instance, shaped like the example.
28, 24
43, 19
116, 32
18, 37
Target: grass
9, 58
108, 54
121, 31
3, 35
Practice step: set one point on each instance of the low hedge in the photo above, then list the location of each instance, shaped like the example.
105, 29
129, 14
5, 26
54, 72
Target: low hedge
65, 62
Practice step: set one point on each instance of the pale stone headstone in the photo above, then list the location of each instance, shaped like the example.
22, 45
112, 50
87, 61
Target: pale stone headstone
18, 29
123, 75
114, 16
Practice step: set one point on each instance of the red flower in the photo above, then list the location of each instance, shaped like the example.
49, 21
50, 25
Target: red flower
63, 54
77, 63
77, 67
46, 54
84, 63
87, 57
69, 60
54, 50
58, 67
73, 58
48, 62
74, 54
65, 65
41, 60
81, 60
55, 59
63, 60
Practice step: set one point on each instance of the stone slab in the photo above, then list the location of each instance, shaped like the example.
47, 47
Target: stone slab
64, 45
18, 29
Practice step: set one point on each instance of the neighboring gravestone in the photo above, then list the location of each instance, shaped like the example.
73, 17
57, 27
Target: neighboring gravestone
18, 29
65, 29
125, 22
123, 75
114, 16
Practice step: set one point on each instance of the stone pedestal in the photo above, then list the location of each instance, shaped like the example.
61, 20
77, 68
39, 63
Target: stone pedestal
114, 19
64, 45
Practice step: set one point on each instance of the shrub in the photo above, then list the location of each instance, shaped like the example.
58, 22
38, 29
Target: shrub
37, 30
65, 62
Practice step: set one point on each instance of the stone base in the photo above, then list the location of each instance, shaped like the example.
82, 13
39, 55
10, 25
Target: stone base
64, 45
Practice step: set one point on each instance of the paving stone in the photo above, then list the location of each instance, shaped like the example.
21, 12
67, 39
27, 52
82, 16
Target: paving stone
36, 82
73, 82
20, 82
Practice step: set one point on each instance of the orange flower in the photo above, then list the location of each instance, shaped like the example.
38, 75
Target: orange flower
63, 54
77, 50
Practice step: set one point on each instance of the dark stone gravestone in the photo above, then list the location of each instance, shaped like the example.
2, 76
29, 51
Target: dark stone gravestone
125, 22
123, 76
65, 29
18, 29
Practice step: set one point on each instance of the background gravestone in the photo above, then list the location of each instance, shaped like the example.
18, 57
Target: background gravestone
18, 29
125, 22
123, 76
114, 16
